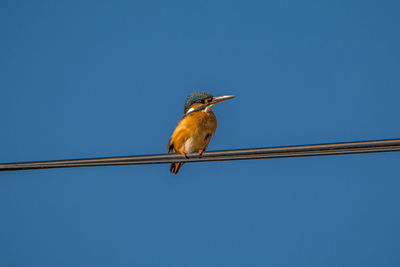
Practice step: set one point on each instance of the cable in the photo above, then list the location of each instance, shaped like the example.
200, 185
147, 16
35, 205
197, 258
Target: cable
240, 154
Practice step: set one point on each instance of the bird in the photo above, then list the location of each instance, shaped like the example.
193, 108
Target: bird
194, 130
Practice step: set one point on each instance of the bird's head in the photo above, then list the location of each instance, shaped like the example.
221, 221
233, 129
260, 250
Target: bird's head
203, 100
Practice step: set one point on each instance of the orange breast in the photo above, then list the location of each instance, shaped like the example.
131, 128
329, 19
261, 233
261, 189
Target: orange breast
193, 132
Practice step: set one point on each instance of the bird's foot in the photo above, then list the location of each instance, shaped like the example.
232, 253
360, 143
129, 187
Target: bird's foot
184, 155
201, 152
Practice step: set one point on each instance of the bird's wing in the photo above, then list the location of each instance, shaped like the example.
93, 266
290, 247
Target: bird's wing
180, 135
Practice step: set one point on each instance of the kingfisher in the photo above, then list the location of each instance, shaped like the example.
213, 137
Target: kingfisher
194, 130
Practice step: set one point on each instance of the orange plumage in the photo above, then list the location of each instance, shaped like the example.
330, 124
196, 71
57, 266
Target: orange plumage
194, 130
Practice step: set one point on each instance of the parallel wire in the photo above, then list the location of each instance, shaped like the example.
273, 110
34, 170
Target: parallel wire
223, 155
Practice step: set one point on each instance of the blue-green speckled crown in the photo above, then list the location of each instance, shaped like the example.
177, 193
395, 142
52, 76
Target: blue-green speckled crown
196, 97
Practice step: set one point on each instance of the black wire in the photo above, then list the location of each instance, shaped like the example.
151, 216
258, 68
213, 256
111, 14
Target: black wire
240, 154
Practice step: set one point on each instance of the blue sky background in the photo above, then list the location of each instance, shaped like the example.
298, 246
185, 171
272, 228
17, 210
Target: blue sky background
109, 78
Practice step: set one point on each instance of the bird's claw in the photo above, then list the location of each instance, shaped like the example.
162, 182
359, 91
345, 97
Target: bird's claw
201, 152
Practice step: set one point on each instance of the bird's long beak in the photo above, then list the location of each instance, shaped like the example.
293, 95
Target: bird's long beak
218, 99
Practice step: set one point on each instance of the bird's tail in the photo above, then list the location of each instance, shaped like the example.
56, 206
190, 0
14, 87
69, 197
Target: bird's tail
175, 167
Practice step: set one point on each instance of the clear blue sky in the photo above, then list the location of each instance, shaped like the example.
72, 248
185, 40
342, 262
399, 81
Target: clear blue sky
108, 78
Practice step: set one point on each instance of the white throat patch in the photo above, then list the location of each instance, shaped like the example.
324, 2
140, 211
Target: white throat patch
208, 108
